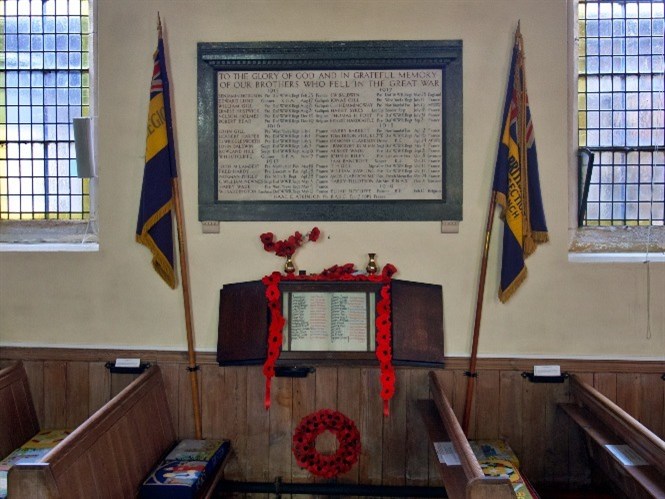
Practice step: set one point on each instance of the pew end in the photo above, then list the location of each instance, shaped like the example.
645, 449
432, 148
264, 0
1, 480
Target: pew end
627, 452
465, 480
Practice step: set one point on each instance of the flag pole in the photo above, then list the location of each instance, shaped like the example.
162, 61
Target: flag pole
184, 274
192, 368
471, 373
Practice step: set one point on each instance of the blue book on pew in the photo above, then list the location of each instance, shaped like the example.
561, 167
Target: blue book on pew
184, 472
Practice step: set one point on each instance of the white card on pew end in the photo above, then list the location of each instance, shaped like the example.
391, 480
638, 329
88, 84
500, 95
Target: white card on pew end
446, 453
626, 455
127, 362
547, 370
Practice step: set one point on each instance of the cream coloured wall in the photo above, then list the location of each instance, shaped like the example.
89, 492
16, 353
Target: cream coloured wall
114, 298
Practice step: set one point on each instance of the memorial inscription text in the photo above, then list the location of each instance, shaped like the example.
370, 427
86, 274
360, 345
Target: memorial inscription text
330, 135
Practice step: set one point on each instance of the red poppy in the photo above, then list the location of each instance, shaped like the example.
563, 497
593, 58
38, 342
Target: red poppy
267, 237
272, 293
314, 234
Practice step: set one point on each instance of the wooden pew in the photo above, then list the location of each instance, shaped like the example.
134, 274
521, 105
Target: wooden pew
110, 454
605, 423
464, 481
18, 418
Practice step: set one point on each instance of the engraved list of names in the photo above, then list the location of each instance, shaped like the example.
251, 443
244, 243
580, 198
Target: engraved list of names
330, 135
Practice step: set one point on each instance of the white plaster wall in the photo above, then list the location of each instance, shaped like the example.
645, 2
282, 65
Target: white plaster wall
114, 298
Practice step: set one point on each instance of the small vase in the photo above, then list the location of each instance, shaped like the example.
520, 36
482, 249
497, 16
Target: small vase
289, 267
372, 267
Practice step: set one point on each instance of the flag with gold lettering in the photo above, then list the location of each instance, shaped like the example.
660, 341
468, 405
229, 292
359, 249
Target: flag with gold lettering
154, 228
516, 182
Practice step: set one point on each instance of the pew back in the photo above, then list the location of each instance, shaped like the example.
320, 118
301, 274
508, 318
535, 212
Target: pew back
608, 428
18, 419
109, 455
464, 481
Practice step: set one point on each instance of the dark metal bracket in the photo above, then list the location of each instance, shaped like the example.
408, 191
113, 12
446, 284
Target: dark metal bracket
127, 370
293, 371
545, 379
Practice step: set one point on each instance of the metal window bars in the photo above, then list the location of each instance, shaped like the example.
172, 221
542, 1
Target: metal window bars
44, 83
620, 110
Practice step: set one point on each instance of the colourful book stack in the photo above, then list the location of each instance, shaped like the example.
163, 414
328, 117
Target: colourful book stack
184, 472
30, 452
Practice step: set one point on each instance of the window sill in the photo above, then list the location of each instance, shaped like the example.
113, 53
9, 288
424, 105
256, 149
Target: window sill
617, 244
48, 236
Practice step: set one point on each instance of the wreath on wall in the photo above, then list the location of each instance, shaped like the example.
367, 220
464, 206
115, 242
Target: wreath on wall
326, 465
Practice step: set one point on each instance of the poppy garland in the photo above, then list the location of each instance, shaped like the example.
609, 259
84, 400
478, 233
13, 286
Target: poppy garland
346, 272
326, 465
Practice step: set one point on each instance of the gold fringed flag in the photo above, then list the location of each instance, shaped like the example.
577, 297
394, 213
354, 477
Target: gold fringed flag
516, 183
154, 228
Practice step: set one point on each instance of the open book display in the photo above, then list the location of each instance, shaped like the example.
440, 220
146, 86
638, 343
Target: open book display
331, 318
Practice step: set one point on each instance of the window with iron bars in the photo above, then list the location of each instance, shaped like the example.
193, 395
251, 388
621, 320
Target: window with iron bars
45, 83
620, 112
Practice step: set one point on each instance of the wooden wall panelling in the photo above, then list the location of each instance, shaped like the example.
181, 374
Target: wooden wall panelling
258, 429
448, 382
417, 440
557, 427
394, 432
78, 393
370, 465
606, 383
35, 372
281, 410
652, 400
510, 409
303, 404
119, 381
488, 392
577, 458
534, 442
67, 385
459, 399
186, 427
55, 394
99, 386
628, 394
232, 422
348, 403
212, 400
326, 398
171, 378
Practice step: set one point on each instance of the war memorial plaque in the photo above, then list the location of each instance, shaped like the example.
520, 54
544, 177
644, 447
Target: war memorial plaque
342, 131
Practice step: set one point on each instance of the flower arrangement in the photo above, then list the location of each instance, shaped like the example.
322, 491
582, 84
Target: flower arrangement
326, 465
288, 246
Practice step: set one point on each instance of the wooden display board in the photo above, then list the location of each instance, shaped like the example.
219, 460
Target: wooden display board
416, 315
330, 130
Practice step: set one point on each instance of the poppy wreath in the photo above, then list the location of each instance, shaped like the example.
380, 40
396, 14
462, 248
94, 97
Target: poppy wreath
326, 465
346, 272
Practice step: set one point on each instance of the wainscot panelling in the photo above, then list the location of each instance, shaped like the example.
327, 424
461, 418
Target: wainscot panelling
68, 385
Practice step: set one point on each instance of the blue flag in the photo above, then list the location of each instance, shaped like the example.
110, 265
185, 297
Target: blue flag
516, 182
154, 228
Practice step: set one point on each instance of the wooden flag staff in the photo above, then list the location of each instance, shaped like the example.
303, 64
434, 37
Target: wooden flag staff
193, 368
184, 274
471, 373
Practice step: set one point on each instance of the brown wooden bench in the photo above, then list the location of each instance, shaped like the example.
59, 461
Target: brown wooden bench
465, 480
18, 418
605, 424
110, 454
